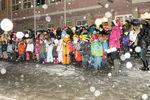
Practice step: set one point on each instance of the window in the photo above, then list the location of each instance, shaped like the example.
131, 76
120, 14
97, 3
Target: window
26, 4
39, 27
139, 1
81, 22
40, 2
54, 1
15, 5
50, 26
3, 5
123, 18
69, 23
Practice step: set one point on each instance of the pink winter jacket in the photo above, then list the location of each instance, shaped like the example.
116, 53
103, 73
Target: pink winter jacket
37, 50
114, 37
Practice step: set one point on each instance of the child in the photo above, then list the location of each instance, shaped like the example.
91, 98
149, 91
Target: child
42, 50
49, 47
9, 50
21, 50
1, 54
55, 52
29, 50
96, 52
105, 48
4, 49
86, 52
37, 51
60, 51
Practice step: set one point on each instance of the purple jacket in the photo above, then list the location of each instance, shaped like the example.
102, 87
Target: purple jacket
114, 37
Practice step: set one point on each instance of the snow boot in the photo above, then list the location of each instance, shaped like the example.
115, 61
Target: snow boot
115, 71
145, 68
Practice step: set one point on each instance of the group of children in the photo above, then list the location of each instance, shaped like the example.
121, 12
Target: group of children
85, 50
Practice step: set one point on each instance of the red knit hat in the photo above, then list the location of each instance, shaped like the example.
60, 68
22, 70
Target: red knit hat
94, 38
106, 28
37, 39
117, 23
65, 28
53, 30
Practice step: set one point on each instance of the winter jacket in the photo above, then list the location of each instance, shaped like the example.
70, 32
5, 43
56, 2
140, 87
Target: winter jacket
114, 37
96, 49
143, 37
4, 48
105, 46
30, 47
42, 48
86, 48
0, 48
37, 50
54, 52
21, 48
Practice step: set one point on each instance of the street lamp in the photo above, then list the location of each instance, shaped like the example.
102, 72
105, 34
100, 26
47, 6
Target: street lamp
65, 12
34, 5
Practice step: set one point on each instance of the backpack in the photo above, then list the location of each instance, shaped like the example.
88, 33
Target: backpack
125, 40
96, 49
77, 55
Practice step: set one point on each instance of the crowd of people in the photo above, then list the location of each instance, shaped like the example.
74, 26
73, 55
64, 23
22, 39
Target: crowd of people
81, 46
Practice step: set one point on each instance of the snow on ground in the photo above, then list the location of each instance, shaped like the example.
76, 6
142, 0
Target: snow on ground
30, 81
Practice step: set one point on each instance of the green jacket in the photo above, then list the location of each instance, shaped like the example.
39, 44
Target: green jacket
42, 48
96, 49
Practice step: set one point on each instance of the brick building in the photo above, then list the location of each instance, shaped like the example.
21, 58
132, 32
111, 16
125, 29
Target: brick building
44, 14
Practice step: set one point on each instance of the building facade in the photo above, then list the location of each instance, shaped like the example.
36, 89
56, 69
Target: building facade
47, 14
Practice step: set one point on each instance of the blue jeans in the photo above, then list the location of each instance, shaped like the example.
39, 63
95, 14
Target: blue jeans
91, 61
42, 56
97, 62
104, 61
21, 56
85, 60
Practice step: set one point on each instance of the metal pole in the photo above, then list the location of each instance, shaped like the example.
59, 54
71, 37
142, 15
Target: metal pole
65, 12
11, 10
34, 17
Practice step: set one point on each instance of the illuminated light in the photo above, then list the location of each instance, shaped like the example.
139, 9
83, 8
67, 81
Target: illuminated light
106, 5
84, 17
44, 6
146, 14
69, 3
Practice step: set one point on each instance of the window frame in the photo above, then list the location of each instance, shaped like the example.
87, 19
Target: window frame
51, 25
69, 22
39, 28
28, 1
15, 4
49, 2
40, 3
81, 22
123, 17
